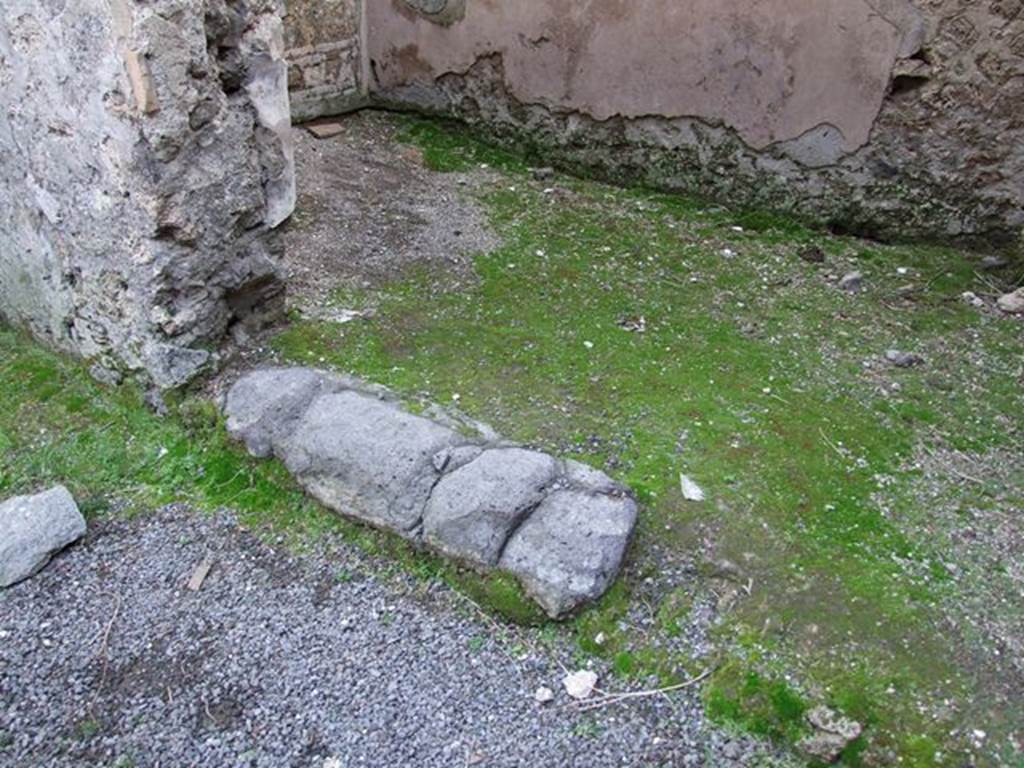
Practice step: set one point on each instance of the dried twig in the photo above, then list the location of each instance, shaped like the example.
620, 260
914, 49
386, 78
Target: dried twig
102, 651
209, 714
830, 444
994, 289
617, 698
948, 466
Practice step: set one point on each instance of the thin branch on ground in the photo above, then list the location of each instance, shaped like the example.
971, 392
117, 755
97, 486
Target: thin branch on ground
609, 699
830, 444
948, 466
104, 645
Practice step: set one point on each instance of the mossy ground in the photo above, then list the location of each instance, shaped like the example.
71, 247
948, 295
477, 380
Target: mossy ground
57, 425
652, 335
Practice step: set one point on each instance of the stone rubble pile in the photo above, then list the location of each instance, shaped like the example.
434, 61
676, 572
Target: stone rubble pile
560, 527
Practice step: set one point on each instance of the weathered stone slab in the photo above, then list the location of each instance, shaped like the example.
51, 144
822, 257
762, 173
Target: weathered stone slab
265, 406
561, 527
366, 458
33, 529
570, 549
585, 477
473, 510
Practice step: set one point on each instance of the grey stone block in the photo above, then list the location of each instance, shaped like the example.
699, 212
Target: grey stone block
33, 529
265, 406
366, 458
561, 528
473, 510
570, 549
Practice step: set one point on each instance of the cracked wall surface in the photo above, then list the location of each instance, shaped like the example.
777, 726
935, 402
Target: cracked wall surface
324, 51
144, 161
885, 117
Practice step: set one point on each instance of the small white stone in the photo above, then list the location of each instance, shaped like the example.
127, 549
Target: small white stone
588, 344
1012, 303
691, 491
970, 297
579, 685
600, 638
543, 695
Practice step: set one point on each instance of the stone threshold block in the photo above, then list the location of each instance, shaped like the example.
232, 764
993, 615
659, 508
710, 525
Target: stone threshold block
560, 527
35, 528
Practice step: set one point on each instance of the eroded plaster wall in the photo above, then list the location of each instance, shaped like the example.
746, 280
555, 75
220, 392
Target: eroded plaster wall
145, 159
888, 117
324, 51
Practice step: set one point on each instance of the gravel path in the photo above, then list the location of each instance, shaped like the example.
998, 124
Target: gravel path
106, 658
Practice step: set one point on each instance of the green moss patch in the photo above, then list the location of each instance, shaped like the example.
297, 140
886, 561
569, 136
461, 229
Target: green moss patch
651, 335
60, 426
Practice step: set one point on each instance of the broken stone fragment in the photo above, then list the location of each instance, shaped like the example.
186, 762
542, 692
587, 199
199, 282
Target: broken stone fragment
33, 529
473, 510
561, 528
325, 130
570, 549
851, 282
579, 685
970, 297
690, 490
1012, 303
832, 734
903, 359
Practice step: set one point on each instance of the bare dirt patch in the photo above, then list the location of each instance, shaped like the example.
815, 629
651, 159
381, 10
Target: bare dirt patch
368, 214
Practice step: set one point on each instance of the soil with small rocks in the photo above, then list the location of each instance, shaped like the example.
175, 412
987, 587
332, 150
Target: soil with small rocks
279, 659
368, 211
